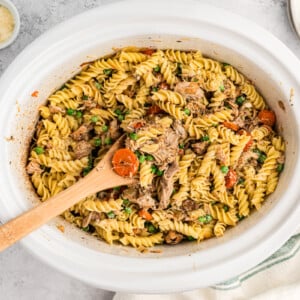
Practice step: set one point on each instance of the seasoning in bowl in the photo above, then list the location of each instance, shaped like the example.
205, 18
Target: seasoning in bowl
7, 24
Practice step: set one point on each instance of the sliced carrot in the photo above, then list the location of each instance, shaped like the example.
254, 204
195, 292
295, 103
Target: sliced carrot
138, 125
267, 117
230, 179
154, 109
231, 125
164, 86
125, 162
143, 213
250, 143
35, 94
148, 51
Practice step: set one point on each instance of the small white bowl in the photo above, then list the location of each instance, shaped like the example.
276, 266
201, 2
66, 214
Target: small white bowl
11, 7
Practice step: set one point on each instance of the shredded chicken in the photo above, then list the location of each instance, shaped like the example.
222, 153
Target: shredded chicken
196, 107
173, 237
166, 185
81, 133
189, 89
200, 148
89, 104
33, 167
145, 200
179, 129
168, 148
188, 205
220, 155
82, 149
247, 158
131, 192
56, 109
114, 131
91, 217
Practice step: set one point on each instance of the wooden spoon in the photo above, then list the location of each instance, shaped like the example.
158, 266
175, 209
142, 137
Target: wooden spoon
102, 177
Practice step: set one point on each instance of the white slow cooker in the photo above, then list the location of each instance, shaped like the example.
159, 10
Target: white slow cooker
56, 56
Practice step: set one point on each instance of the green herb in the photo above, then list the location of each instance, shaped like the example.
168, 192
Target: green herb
70, 112
195, 79
97, 142
150, 227
116, 188
240, 100
159, 172
98, 85
226, 208
179, 69
94, 119
62, 87
118, 111
280, 168
78, 114
86, 170
261, 159
202, 219
205, 219
205, 138
133, 136
187, 111
174, 192
190, 238
126, 202
87, 228
142, 158
222, 88
154, 89
257, 151
104, 128
156, 69
240, 217
225, 64
181, 146
108, 141
85, 97
128, 210
224, 169
111, 215
121, 118
227, 105
107, 72
215, 125
153, 169
208, 218
149, 157
241, 180
39, 150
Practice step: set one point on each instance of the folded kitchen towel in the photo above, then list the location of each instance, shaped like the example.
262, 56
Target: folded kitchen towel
278, 277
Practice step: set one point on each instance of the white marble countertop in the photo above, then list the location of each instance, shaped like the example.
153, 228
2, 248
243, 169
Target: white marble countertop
22, 276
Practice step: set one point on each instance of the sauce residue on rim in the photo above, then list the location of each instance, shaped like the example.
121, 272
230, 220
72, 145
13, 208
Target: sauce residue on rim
7, 24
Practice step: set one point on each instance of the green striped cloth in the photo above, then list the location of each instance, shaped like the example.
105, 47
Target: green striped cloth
278, 277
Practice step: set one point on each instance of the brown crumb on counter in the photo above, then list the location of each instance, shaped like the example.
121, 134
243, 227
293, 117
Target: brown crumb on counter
155, 251
10, 139
61, 228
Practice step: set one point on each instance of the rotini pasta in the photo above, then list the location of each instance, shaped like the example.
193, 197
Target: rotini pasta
204, 138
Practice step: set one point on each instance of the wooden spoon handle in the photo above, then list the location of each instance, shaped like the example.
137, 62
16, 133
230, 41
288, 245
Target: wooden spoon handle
24, 224
96, 181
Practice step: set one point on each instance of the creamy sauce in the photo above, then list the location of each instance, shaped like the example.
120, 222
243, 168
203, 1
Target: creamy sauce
7, 24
